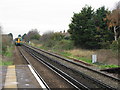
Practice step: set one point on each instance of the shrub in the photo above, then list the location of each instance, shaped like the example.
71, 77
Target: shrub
105, 45
32, 35
35, 41
6, 42
114, 45
51, 39
50, 43
8, 52
64, 44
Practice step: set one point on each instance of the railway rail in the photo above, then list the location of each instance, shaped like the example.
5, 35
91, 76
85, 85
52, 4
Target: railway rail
90, 83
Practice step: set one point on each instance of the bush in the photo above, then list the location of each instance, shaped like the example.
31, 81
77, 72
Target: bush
4, 48
50, 39
105, 45
50, 43
35, 41
8, 52
6, 42
64, 45
114, 45
32, 35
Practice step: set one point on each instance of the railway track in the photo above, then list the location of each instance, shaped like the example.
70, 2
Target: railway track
67, 79
78, 64
30, 65
81, 77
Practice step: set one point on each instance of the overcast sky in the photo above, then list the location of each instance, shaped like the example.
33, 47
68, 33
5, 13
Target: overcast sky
20, 16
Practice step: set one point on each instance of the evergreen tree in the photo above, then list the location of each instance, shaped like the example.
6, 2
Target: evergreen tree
104, 35
89, 29
23, 37
11, 35
83, 30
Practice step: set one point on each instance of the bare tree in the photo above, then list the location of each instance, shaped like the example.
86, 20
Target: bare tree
114, 19
32, 34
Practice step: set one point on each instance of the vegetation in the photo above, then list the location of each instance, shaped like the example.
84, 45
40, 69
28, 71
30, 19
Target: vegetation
64, 45
90, 32
114, 21
82, 55
114, 45
56, 41
31, 35
5, 63
6, 48
8, 52
108, 66
89, 29
6, 43
11, 35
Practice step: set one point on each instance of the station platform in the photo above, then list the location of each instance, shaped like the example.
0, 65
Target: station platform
18, 76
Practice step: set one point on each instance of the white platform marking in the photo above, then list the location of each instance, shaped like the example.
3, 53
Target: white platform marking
36, 76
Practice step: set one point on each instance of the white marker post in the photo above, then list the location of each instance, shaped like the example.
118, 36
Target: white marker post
94, 58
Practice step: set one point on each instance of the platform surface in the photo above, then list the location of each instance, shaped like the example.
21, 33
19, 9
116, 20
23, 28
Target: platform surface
17, 76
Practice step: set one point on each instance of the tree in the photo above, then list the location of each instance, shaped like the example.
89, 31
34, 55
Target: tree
23, 37
57, 36
83, 30
11, 35
104, 35
89, 29
114, 21
31, 35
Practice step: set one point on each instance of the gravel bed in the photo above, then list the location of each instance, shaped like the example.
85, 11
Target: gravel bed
17, 58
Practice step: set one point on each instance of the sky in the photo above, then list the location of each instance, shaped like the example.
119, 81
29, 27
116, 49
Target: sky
20, 16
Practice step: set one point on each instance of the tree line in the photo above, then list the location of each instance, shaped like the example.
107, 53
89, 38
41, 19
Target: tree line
90, 29
95, 29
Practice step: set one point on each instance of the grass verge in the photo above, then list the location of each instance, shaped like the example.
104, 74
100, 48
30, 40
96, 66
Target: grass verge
7, 54
5, 63
79, 54
108, 66
104, 66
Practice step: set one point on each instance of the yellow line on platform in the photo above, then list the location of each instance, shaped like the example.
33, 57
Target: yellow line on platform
10, 81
